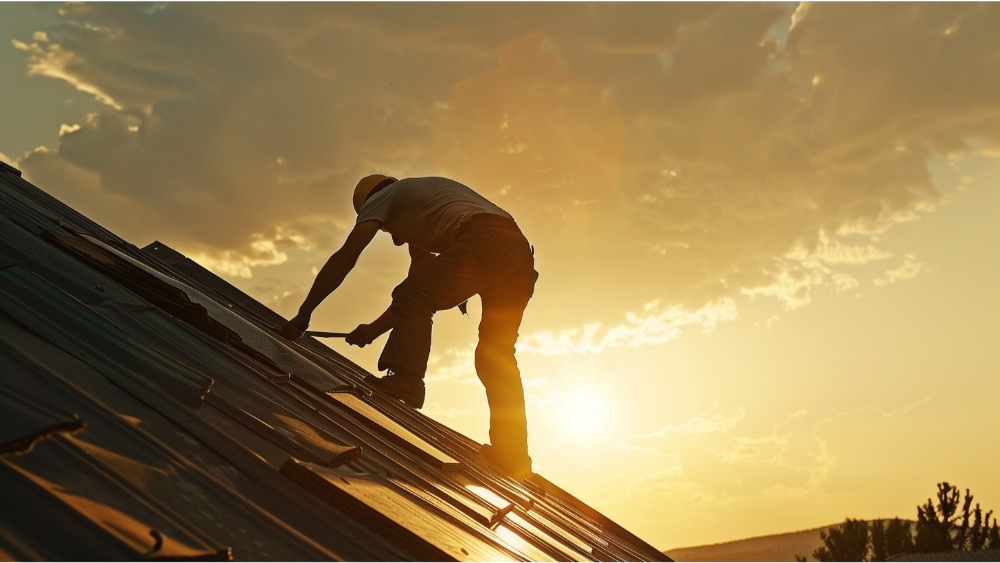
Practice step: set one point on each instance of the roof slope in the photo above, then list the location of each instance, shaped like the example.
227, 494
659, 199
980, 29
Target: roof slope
148, 410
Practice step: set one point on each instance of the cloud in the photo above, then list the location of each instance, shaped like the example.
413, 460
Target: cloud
262, 251
456, 364
730, 149
530, 383
833, 251
800, 12
844, 282
235, 264
215, 127
844, 458
711, 465
52, 60
654, 480
702, 424
768, 448
535, 135
550, 399
652, 328
803, 456
791, 283
794, 275
906, 271
638, 330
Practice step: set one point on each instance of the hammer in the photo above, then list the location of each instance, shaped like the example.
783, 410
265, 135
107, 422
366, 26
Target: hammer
319, 334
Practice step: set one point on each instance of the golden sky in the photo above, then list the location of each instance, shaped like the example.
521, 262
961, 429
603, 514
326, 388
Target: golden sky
767, 233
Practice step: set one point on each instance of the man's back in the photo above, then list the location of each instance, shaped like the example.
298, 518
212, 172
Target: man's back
426, 212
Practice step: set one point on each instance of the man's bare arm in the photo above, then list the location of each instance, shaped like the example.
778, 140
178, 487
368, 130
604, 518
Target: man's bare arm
332, 275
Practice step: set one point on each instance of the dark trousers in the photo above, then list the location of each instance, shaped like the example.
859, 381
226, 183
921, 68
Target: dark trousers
491, 258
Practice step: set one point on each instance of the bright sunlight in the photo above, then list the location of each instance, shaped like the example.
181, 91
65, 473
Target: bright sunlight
584, 414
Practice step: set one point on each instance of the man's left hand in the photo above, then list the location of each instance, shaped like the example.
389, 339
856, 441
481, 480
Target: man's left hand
362, 336
295, 328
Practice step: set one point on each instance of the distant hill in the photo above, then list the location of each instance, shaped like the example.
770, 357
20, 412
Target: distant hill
777, 547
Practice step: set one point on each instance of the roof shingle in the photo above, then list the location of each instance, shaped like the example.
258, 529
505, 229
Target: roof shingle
149, 410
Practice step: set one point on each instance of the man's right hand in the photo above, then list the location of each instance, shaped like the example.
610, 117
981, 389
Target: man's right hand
362, 336
295, 328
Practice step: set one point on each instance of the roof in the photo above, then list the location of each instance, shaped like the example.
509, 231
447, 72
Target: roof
980, 555
149, 410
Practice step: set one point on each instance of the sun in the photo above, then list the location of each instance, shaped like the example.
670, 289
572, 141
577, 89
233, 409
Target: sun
584, 413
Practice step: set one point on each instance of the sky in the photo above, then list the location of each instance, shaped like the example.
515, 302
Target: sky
767, 234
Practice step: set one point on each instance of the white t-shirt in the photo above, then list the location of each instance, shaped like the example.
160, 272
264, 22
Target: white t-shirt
426, 212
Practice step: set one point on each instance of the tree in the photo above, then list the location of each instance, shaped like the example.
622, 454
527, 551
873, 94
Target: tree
876, 535
938, 527
857, 540
898, 537
889, 538
934, 523
982, 535
846, 542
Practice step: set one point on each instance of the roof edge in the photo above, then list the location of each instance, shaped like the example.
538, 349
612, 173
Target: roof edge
10, 169
553, 489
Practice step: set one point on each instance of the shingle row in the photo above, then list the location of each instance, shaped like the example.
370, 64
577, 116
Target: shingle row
149, 410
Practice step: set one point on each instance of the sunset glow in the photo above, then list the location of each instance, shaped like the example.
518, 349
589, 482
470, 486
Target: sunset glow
767, 234
584, 414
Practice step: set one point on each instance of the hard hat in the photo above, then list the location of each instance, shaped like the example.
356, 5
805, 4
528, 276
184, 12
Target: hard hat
367, 185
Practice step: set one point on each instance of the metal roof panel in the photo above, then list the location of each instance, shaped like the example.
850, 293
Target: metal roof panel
206, 431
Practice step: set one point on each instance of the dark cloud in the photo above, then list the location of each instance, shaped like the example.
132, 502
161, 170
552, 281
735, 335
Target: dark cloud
704, 142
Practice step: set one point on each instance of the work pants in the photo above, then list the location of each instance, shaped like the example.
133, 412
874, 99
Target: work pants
493, 259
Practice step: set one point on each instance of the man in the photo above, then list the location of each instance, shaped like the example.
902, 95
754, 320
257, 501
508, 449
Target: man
460, 245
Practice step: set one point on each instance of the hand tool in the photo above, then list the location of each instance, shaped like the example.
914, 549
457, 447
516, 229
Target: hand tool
319, 334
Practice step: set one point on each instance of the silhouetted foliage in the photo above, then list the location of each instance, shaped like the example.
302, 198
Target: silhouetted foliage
889, 538
934, 523
994, 535
940, 527
846, 542
876, 537
857, 540
981, 535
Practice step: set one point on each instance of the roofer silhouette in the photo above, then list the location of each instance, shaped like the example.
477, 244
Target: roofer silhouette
460, 245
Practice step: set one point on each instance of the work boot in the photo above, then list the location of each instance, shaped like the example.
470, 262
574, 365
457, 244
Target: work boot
516, 466
405, 387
